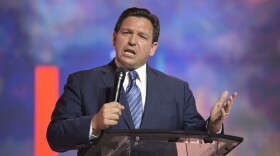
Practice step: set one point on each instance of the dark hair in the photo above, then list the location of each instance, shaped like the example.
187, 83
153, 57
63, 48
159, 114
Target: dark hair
140, 12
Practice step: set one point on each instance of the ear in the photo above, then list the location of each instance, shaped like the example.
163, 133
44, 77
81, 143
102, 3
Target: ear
114, 36
154, 48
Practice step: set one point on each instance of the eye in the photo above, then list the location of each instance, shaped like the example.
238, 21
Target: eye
143, 37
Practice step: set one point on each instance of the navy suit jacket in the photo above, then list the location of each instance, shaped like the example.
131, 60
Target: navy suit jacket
170, 104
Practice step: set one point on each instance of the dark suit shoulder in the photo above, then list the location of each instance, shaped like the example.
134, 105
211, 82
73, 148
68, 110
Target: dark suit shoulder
167, 78
94, 72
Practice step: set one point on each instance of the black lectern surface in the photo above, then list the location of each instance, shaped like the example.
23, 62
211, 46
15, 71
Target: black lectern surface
162, 143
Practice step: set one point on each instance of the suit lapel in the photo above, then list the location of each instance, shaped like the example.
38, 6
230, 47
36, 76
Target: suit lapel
108, 79
151, 94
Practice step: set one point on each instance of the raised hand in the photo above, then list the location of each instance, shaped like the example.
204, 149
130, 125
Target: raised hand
220, 111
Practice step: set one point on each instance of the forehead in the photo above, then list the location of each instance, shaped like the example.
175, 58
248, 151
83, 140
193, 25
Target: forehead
140, 23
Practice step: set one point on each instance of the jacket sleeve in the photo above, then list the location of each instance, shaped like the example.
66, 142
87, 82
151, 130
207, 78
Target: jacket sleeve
192, 120
68, 128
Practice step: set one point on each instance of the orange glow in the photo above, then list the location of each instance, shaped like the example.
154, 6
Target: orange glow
46, 94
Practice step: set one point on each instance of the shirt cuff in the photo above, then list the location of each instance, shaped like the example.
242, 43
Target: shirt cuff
92, 134
219, 132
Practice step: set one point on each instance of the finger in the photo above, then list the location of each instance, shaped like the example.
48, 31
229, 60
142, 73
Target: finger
117, 105
112, 104
116, 111
121, 107
222, 99
113, 117
113, 107
223, 114
232, 97
228, 104
110, 122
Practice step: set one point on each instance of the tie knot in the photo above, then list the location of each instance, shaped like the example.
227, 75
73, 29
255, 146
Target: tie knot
133, 75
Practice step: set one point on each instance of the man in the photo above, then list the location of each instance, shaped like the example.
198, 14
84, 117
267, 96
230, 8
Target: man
84, 109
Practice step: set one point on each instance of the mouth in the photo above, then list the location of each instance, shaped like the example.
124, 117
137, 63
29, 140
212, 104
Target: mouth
130, 51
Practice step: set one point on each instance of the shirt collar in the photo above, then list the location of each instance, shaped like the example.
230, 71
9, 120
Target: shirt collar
142, 73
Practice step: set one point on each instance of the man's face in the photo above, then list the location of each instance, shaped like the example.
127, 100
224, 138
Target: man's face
133, 42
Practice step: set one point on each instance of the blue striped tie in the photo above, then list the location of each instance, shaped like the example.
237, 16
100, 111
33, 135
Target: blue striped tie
134, 99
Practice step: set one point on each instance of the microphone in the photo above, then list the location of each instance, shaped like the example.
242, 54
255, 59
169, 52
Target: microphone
119, 79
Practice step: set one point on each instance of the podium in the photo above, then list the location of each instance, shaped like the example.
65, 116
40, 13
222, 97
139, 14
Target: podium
162, 143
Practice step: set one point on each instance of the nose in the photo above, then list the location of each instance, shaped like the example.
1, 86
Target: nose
132, 40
